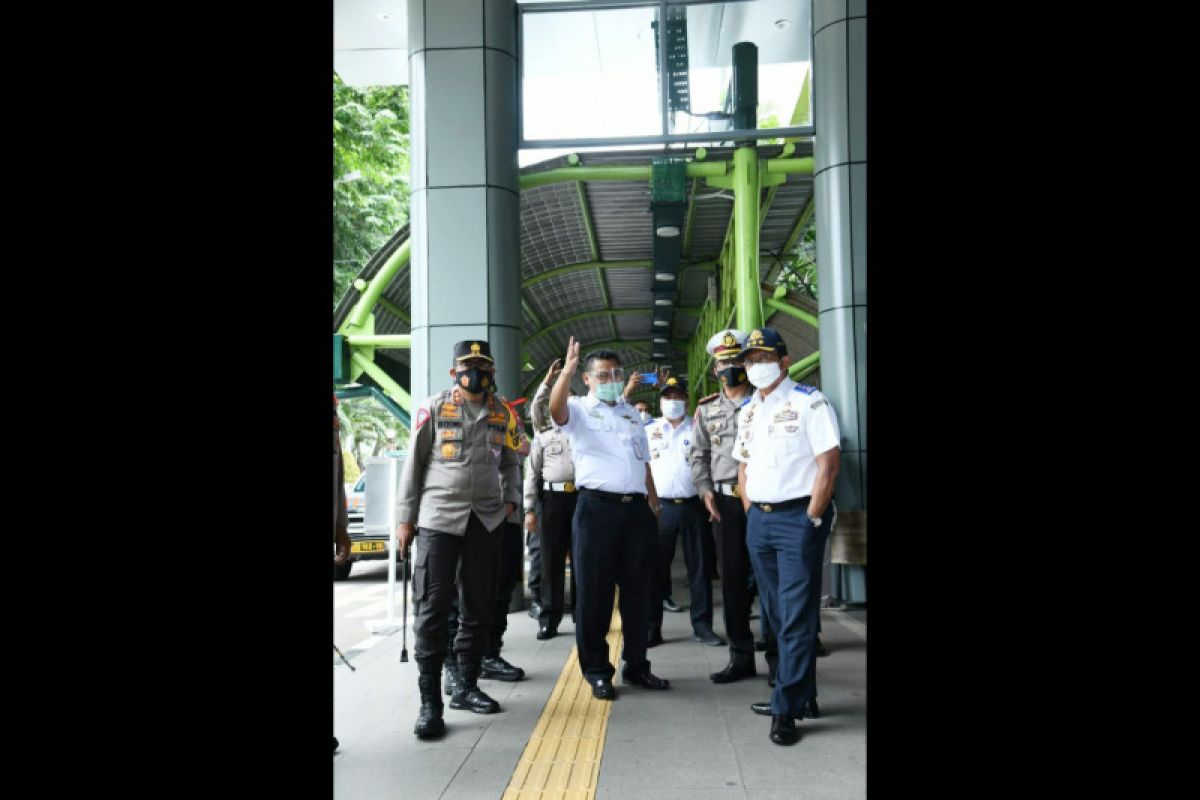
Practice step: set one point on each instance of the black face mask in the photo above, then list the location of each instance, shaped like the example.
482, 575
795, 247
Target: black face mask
732, 376
476, 380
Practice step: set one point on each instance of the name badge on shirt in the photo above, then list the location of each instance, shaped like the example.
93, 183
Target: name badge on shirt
787, 415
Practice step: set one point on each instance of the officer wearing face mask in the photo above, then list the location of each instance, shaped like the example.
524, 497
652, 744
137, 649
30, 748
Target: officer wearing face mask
460, 480
551, 480
614, 525
643, 410
788, 446
682, 517
715, 473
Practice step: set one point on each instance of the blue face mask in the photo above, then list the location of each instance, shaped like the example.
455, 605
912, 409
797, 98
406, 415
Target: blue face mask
609, 392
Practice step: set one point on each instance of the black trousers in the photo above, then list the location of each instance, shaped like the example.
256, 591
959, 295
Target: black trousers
508, 575
736, 574
686, 523
614, 543
449, 566
533, 544
558, 510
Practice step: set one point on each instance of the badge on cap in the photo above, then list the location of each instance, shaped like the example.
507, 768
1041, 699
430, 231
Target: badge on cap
729, 340
474, 348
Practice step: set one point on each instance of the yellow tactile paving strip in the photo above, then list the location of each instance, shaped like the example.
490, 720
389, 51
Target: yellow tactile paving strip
562, 759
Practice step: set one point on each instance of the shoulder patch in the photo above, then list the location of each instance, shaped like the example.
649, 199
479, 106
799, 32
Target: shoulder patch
805, 388
422, 418
708, 399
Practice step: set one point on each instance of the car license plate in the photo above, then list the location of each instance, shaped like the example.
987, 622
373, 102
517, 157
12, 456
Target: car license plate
367, 547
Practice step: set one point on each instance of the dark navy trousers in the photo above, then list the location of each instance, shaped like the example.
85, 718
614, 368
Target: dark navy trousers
787, 552
684, 522
614, 545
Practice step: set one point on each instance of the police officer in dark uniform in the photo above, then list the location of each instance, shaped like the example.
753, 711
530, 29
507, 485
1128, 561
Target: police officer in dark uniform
789, 445
614, 526
714, 472
550, 483
460, 481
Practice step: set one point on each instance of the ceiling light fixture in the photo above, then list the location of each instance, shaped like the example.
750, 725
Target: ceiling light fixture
662, 301
661, 323
664, 276
667, 231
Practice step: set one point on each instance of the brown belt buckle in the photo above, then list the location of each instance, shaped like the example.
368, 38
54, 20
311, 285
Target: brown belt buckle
735, 491
677, 501
569, 486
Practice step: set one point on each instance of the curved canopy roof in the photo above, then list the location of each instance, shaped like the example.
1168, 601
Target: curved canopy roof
586, 249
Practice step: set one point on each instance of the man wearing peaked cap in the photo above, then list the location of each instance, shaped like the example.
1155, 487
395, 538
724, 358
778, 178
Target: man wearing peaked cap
670, 438
788, 444
460, 480
715, 472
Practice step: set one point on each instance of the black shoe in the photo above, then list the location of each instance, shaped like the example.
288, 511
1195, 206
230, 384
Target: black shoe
429, 719
547, 632
671, 605
646, 679
655, 638
783, 730
812, 711
535, 609
497, 669
335, 744
822, 650
761, 708
760, 646
709, 638
602, 689
453, 680
474, 699
733, 672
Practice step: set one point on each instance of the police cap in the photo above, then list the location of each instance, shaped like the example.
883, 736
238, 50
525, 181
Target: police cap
765, 339
472, 348
673, 382
726, 344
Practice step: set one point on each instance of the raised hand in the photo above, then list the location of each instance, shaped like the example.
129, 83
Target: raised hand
553, 373
572, 360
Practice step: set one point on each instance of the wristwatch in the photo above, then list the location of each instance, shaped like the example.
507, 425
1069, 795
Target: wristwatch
816, 521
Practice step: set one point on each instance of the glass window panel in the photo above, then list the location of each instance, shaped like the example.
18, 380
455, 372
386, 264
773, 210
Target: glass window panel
589, 74
782, 31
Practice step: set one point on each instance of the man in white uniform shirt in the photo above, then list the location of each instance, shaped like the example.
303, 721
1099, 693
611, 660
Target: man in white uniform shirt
788, 446
682, 515
614, 526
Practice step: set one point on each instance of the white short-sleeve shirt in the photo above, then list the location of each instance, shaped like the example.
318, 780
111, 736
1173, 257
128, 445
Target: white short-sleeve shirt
669, 448
608, 445
780, 438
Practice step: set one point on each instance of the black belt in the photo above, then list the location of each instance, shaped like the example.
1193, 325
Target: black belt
785, 505
620, 498
679, 500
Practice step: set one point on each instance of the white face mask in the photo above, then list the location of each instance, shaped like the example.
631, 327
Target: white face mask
645, 415
673, 409
764, 374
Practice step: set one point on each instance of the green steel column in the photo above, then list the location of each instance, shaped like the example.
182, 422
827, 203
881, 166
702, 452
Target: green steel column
745, 237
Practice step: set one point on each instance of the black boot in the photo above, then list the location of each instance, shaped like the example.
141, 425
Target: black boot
429, 720
469, 696
497, 669
654, 636
453, 680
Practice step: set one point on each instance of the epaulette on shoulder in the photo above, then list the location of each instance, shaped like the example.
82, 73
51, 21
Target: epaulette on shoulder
805, 388
708, 399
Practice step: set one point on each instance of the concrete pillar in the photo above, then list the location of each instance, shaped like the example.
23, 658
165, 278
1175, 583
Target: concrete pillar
840, 187
464, 205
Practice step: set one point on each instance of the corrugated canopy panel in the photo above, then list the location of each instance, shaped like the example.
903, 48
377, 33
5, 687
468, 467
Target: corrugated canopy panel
552, 229
628, 287
621, 218
553, 234
631, 326
693, 289
565, 295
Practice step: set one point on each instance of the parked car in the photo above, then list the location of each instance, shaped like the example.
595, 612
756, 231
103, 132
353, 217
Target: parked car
362, 546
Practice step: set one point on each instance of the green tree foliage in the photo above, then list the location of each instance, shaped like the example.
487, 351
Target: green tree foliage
800, 263
370, 170
365, 428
